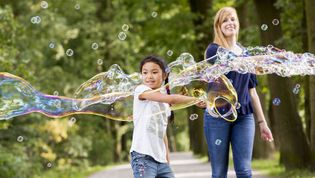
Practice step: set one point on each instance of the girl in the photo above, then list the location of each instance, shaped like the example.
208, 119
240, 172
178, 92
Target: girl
149, 150
240, 134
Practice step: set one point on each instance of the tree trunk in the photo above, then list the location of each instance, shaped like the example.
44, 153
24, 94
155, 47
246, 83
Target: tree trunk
310, 15
261, 149
196, 135
294, 150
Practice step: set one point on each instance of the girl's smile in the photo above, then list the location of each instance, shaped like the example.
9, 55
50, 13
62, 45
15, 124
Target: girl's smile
152, 75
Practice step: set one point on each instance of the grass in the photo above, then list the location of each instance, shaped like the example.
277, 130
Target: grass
272, 168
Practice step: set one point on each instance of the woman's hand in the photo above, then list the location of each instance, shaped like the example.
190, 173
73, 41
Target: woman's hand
265, 132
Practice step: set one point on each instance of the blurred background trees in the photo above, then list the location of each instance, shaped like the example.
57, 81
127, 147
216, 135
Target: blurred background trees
35, 37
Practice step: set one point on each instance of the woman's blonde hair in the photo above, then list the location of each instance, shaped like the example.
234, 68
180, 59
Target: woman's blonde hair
219, 37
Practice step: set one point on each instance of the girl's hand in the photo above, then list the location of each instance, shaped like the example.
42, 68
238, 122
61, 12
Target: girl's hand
201, 104
265, 132
168, 157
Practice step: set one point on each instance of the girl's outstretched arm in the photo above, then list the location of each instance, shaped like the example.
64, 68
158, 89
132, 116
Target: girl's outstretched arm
165, 98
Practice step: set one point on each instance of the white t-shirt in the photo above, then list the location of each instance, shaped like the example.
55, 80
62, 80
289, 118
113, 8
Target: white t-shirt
150, 123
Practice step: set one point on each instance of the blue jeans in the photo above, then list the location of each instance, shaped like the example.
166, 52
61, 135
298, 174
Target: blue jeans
145, 166
220, 134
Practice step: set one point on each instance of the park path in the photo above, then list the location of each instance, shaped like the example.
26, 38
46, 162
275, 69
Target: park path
184, 165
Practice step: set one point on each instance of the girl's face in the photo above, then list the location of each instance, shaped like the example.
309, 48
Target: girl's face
152, 75
229, 26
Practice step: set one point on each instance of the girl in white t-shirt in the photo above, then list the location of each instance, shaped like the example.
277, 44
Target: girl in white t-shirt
149, 149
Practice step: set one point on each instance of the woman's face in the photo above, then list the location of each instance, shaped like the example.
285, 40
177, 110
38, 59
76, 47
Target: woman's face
229, 26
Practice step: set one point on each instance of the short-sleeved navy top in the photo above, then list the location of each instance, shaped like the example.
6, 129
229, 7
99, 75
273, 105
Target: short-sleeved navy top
241, 82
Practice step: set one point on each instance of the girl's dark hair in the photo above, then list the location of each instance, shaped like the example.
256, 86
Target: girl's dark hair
159, 61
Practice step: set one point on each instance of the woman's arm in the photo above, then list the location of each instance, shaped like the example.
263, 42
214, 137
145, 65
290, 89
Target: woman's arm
259, 115
165, 98
167, 149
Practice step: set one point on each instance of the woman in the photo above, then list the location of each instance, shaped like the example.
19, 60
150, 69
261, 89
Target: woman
240, 134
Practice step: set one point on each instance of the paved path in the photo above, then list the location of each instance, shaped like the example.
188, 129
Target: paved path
184, 165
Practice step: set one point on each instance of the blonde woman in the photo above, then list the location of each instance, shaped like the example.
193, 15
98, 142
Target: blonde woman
219, 133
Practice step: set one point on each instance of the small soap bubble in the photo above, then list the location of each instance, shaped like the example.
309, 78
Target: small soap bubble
36, 20
100, 61
264, 27
71, 121
296, 90
44, 4
49, 165
169, 52
275, 22
238, 105
94, 46
20, 138
77, 6
193, 117
56, 93
57, 103
167, 70
154, 14
125, 27
75, 106
33, 20
218, 142
51, 45
276, 101
297, 86
69, 52
122, 36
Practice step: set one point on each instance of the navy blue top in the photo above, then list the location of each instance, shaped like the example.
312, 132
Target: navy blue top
241, 82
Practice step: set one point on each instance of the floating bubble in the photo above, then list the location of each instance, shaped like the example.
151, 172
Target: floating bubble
110, 93
51, 45
20, 139
94, 46
49, 165
100, 61
77, 6
56, 93
276, 101
238, 105
169, 52
275, 22
264, 27
44, 4
122, 36
218, 142
125, 27
36, 20
193, 117
72, 121
296, 90
154, 14
69, 52
297, 86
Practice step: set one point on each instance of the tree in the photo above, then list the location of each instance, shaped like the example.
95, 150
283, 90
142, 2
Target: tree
294, 150
200, 9
310, 15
